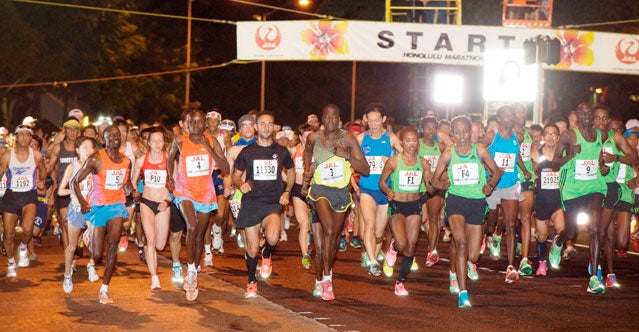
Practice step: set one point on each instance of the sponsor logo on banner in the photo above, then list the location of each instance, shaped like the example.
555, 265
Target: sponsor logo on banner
627, 50
268, 36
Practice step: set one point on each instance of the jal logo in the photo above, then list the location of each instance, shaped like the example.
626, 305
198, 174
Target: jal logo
588, 163
627, 50
268, 37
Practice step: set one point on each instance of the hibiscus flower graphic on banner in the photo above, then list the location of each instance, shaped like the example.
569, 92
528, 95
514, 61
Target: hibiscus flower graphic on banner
575, 48
325, 38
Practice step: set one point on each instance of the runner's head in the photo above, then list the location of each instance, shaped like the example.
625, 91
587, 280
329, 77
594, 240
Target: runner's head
85, 147
330, 117
265, 125
461, 128
410, 139
197, 122
375, 115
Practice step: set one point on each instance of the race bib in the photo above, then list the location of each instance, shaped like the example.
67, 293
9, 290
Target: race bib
197, 165
433, 160
299, 164
621, 176
465, 174
608, 150
265, 169
332, 172
21, 183
155, 178
506, 161
410, 180
114, 178
524, 151
376, 164
549, 179
3, 185
235, 203
586, 169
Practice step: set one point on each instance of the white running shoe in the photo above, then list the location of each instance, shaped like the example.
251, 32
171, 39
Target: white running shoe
23, 254
67, 284
93, 274
287, 222
208, 260
177, 274
217, 237
283, 236
12, 270
240, 243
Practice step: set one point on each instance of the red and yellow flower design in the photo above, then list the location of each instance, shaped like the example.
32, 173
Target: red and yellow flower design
326, 38
575, 48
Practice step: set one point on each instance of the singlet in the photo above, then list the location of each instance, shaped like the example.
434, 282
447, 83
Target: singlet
504, 152
625, 174
85, 185
375, 150
193, 178
298, 159
524, 151
610, 147
154, 175
430, 153
466, 174
547, 179
65, 157
128, 152
330, 170
580, 175
21, 177
106, 186
3, 185
407, 179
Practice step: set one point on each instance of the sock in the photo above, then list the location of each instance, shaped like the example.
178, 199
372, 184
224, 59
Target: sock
452, 274
268, 249
541, 250
176, 264
207, 249
191, 267
326, 278
251, 266
104, 288
12, 260
407, 261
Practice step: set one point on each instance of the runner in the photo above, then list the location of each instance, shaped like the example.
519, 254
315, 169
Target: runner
466, 205
109, 172
156, 201
408, 174
199, 153
258, 175
85, 147
332, 151
25, 171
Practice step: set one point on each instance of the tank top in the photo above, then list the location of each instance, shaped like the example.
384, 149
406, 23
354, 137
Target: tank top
430, 153
580, 175
504, 152
298, 159
466, 174
193, 178
65, 157
128, 152
3, 185
85, 185
625, 174
106, 186
154, 175
407, 179
330, 170
375, 149
524, 151
547, 179
21, 177
610, 147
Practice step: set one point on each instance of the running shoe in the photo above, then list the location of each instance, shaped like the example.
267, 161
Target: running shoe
391, 254
217, 237
67, 284
251, 290
266, 268
141, 254
447, 235
454, 285
364, 261
542, 269
155, 283
595, 286
123, 244
177, 274
342, 243
400, 290
12, 270
208, 259
635, 243
283, 236
220, 250
317, 288
287, 223
432, 258
355, 243
306, 262
92, 273
511, 275
611, 280
375, 269
387, 269
524, 267
569, 253
554, 258
495, 246
104, 297
33, 257
414, 266
599, 273
240, 243
23, 255
327, 290
190, 286
233, 231
483, 244
380, 256
472, 271
463, 301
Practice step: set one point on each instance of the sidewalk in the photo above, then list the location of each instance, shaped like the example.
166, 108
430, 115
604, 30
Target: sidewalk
35, 300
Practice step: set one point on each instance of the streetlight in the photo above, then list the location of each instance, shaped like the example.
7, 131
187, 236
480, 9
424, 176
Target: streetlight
448, 90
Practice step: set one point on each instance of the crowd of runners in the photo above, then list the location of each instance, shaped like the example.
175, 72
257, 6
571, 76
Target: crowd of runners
365, 183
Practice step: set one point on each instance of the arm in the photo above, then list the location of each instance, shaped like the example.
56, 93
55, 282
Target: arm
389, 167
351, 151
520, 163
170, 164
426, 175
494, 171
135, 175
42, 170
566, 144
630, 155
4, 163
308, 158
63, 186
218, 155
396, 143
93, 163
436, 179
53, 158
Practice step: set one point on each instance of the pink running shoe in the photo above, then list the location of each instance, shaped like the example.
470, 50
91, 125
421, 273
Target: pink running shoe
391, 254
542, 269
327, 291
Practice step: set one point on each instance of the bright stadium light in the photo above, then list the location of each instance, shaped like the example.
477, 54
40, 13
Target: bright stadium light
507, 78
448, 89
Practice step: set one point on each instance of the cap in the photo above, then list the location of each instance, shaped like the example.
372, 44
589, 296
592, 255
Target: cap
631, 132
311, 117
4, 131
28, 120
215, 115
24, 128
72, 123
355, 129
227, 124
75, 113
632, 123
245, 118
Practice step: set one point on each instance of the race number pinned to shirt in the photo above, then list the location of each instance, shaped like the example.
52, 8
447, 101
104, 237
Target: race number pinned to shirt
114, 178
621, 175
264, 169
465, 174
21, 183
524, 151
197, 165
410, 180
299, 164
586, 169
506, 161
332, 172
549, 179
376, 164
155, 178
433, 160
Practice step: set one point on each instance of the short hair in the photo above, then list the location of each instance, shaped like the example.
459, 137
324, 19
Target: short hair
407, 129
82, 139
121, 122
261, 114
536, 127
463, 119
502, 108
375, 107
428, 119
37, 139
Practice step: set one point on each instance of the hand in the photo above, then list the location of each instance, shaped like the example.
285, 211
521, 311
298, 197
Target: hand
604, 170
527, 175
284, 198
304, 189
632, 183
84, 207
246, 187
341, 150
136, 197
170, 184
608, 157
574, 149
487, 189
163, 206
390, 195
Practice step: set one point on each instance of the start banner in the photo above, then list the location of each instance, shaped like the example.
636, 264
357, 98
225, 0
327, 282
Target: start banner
417, 42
